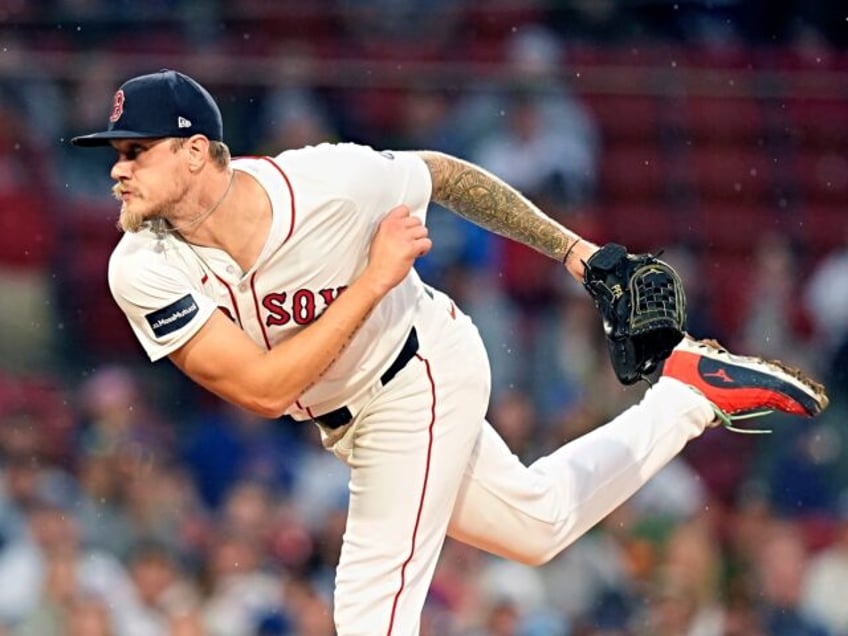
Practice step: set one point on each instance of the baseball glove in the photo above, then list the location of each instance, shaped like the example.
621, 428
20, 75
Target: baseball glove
643, 307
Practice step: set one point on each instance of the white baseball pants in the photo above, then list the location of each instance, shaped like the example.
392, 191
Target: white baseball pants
425, 464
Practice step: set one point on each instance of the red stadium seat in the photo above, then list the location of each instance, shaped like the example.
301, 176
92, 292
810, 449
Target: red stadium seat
633, 172
816, 123
735, 119
625, 117
736, 173
821, 176
734, 227
98, 324
824, 227
727, 276
642, 226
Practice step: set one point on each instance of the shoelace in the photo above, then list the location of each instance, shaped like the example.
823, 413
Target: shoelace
728, 420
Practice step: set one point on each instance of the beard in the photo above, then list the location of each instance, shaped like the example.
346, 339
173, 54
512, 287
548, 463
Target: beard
138, 219
128, 221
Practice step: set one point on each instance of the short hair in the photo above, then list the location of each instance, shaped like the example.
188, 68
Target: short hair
219, 152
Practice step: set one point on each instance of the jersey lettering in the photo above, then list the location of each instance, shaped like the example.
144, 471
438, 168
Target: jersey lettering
275, 306
302, 307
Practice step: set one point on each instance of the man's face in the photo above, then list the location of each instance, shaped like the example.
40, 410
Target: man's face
150, 179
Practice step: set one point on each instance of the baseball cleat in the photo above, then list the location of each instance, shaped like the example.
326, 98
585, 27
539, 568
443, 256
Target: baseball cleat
742, 387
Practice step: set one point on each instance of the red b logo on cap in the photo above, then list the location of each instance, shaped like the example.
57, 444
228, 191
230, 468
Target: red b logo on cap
117, 107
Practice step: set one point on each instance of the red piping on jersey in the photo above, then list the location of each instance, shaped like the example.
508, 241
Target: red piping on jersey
421, 498
232, 297
291, 194
305, 408
258, 315
288, 236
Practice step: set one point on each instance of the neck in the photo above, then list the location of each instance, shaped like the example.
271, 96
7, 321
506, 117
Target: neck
188, 226
240, 227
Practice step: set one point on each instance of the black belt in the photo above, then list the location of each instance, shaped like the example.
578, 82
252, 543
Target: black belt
342, 415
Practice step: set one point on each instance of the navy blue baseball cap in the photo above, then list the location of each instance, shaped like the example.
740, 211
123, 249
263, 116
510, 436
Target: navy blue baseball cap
163, 104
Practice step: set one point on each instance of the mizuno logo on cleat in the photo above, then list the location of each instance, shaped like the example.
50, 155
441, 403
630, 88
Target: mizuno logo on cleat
721, 374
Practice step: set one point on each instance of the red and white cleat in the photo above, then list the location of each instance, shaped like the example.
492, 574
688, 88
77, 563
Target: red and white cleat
742, 387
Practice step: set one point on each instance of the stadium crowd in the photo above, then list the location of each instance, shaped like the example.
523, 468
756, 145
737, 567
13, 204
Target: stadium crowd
133, 504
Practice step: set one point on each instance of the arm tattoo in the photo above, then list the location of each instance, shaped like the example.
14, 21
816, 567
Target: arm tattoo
486, 200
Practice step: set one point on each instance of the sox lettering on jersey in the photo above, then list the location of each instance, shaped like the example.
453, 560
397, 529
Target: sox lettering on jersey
302, 306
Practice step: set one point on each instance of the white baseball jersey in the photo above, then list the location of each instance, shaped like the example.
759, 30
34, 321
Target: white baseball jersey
326, 203
423, 461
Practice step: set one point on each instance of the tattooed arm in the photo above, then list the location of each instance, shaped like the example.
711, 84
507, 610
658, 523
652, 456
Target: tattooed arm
488, 201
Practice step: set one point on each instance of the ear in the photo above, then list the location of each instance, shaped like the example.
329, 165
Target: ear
197, 147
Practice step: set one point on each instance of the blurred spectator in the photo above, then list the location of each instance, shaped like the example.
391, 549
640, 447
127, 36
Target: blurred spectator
293, 118
240, 593
424, 122
674, 494
163, 506
774, 323
320, 485
569, 356
456, 601
165, 595
513, 415
516, 600
532, 131
124, 447
802, 464
88, 617
825, 582
686, 597
84, 182
27, 241
327, 542
248, 511
43, 571
117, 419
781, 561
592, 580
826, 298
26, 473
31, 86
310, 610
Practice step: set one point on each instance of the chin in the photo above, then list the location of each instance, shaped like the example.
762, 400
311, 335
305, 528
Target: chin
130, 221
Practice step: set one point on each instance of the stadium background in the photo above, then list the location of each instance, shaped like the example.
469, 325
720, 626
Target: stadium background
133, 503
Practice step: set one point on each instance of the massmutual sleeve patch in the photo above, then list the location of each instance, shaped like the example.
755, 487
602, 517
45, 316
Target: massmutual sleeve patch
174, 316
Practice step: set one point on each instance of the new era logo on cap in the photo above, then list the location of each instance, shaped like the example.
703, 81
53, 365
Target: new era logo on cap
163, 104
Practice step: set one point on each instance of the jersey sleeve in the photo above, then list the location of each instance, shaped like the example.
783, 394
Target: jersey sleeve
375, 181
162, 307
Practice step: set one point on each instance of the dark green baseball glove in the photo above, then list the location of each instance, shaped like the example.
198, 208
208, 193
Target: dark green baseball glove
643, 307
